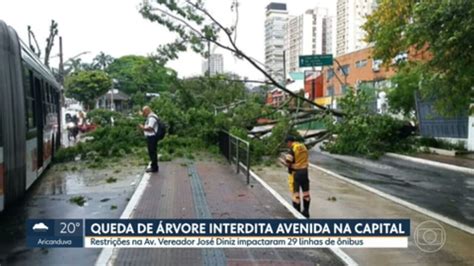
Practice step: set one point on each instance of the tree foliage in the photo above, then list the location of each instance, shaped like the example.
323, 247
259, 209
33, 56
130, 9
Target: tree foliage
141, 74
191, 106
73, 65
210, 92
86, 86
121, 139
102, 61
194, 112
444, 28
404, 85
361, 132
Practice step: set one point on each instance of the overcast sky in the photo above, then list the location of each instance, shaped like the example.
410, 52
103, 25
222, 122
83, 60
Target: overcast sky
116, 28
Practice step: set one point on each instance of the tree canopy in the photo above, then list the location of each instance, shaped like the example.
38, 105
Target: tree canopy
405, 83
196, 27
102, 61
140, 74
86, 86
362, 132
445, 29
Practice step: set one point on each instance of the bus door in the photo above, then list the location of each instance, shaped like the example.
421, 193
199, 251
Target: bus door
40, 121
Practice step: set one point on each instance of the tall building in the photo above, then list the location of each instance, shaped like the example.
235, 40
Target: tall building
305, 35
276, 17
329, 35
350, 18
214, 64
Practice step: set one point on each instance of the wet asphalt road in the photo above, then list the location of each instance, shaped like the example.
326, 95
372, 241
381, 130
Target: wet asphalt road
442, 191
49, 198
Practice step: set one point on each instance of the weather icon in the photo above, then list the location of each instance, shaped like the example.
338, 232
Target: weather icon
40, 227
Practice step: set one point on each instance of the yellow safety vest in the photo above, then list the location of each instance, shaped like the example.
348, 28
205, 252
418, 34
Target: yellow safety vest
300, 155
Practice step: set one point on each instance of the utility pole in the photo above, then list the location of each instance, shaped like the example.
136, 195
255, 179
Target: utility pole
313, 86
209, 59
284, 67
61, 81
61, 62
112, 104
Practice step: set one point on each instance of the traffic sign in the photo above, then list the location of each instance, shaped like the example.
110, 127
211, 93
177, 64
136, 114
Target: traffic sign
315, 60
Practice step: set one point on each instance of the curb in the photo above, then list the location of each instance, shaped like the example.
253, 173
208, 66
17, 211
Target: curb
105, 255
439, 217
336, 251
432, 163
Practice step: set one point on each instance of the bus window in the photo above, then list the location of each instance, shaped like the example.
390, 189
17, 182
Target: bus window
42, 98
50, 97
29, 99
49, 94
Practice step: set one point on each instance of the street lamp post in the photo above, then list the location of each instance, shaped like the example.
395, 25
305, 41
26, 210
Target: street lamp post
61, 63
112, 103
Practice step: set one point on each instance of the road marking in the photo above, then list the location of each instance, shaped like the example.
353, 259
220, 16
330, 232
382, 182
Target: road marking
399, 201
432, 163
106, 253
337, 251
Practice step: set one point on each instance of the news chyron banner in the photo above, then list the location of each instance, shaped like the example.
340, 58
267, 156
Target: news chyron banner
236, 233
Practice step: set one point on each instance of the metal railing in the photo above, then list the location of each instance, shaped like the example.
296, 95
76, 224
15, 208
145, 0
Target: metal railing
237, 151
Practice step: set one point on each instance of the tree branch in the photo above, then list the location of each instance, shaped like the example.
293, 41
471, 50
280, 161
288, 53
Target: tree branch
200, 35
178, 19
236, 5
242, 54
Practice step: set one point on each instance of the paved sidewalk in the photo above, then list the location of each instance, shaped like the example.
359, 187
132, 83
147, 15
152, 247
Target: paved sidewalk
176, 193
354, 202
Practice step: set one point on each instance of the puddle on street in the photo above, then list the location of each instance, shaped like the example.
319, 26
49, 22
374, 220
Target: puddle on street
106, 192
69, 182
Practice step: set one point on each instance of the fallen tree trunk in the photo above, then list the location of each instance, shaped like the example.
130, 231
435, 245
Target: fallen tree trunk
268, 127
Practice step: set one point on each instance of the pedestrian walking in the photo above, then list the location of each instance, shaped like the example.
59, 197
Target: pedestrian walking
150, 128
298, 180
81, 124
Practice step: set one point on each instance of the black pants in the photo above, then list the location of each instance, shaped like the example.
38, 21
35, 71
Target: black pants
300, 180
152, 142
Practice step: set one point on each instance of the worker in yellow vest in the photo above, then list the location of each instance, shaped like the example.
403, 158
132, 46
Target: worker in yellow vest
297, 162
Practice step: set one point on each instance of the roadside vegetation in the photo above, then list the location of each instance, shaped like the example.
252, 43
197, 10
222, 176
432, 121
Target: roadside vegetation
363, 132
196, 109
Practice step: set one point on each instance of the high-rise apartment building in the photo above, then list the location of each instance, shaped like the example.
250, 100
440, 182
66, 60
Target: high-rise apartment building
305, 35
350, 18
214, 64
329, 35
276, 18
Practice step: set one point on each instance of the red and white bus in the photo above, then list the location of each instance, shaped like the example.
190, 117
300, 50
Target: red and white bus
29, 117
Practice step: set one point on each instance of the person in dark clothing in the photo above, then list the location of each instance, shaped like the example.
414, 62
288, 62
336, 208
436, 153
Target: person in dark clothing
72, 128
150, 128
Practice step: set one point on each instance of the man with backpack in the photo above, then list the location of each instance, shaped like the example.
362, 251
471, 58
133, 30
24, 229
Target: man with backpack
154, 131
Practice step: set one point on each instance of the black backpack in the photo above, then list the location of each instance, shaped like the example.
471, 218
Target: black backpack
161, 133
